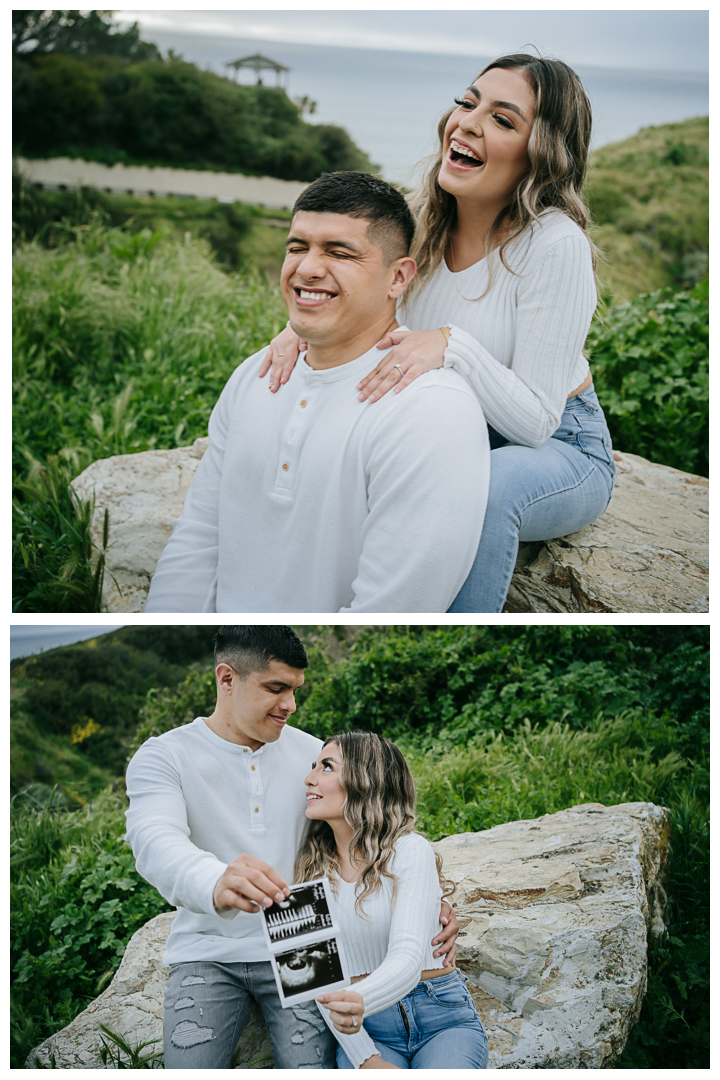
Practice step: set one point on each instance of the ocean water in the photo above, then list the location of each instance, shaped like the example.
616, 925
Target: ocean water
390, 102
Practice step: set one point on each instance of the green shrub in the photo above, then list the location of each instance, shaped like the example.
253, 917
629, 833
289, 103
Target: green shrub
50, 218
168, 112
76, 900
650, 363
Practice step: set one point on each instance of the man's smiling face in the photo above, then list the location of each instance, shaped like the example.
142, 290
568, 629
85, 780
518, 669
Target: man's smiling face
260, 705
335, 281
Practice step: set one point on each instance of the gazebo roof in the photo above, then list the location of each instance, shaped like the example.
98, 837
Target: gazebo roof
257, 63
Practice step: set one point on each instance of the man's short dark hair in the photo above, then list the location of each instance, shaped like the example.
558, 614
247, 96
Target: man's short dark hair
252, 648
360, 195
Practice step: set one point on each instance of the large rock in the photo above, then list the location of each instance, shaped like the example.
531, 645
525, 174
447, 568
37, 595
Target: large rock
554, 917
143, 494
648, 551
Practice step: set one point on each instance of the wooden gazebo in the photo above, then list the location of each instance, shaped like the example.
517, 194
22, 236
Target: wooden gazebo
258, 64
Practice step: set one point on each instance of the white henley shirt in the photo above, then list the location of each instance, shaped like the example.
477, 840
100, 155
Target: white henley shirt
196, 803
309, 500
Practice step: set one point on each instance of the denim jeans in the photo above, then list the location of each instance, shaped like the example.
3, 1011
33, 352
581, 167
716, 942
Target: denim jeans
207, 1005
436, 1026
538, 493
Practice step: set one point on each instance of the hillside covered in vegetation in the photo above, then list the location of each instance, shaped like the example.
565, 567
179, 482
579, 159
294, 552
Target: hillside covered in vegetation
498, 723
83, 89
649, 197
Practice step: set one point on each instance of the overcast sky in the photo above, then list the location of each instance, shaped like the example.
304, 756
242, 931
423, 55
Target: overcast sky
29, 639
641, 39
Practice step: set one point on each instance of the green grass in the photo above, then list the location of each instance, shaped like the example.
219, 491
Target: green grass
122, 342
649, 196
241, 237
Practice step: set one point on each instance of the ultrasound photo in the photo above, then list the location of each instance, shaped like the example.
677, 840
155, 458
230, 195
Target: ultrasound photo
309, 970
304, 911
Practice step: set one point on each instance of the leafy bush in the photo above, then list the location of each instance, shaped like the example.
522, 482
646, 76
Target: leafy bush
444, 685
650, 366
49, 217
76, 900
168, 112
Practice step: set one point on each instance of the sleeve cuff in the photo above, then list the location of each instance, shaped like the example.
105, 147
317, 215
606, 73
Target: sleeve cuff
358, 1047
228, 915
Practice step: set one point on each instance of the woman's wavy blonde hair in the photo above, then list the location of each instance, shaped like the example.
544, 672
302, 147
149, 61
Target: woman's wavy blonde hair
558, 151
380, 807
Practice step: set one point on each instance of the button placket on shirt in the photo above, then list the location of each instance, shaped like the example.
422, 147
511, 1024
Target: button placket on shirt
294, 436
255, 790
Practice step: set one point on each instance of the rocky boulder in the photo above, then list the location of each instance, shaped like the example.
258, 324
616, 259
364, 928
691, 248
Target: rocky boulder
648, 551
554, 918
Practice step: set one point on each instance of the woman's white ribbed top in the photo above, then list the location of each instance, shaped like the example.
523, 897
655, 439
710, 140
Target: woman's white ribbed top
394, 945
520, 346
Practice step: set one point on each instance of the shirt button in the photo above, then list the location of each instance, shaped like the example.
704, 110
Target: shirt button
257, 809
285, 466
303, 403
253, 768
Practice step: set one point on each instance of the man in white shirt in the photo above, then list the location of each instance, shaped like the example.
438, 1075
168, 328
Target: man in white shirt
200, 794
310, 500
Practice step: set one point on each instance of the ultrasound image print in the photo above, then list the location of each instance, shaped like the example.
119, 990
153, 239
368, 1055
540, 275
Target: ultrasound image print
304, 911
310, 968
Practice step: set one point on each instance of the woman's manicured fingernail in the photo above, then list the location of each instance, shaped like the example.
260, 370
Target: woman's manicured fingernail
373, 398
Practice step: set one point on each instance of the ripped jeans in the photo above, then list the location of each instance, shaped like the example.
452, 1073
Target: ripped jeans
207, 1005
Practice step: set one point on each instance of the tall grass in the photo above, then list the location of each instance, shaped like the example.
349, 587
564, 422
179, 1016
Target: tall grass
540, 770
121, 343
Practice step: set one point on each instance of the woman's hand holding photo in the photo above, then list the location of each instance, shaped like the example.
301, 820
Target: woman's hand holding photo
347, 1009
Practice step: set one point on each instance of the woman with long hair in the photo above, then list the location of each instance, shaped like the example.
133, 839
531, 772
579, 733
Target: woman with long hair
407, 1011
505, 293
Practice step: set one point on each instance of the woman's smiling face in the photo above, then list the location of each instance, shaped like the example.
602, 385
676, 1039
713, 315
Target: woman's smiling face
485, 148
324, 791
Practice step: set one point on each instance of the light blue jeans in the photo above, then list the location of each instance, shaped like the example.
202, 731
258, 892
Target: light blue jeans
436, 1026
538, 493
207, 1005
